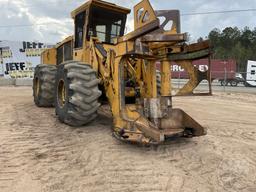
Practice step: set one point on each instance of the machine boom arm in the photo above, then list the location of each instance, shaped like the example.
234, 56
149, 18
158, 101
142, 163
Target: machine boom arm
151, 118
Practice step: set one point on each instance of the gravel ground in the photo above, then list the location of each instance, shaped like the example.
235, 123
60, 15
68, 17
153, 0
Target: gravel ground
37, 153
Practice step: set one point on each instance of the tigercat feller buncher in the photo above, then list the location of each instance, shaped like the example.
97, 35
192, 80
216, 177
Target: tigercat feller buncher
99, 63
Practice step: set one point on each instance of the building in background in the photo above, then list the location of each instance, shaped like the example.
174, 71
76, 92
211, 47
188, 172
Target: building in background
19, 59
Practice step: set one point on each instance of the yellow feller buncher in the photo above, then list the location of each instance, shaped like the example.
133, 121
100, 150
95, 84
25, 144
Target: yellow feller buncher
99, 63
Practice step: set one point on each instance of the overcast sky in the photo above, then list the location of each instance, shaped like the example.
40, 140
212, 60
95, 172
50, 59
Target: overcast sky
56, 13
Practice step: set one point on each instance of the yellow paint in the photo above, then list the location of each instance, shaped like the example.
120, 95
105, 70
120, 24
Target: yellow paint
166, 78
120, 63
49, 56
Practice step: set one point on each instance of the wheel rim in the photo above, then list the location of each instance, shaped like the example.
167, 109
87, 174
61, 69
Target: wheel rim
61, 93
234, 83
37, 85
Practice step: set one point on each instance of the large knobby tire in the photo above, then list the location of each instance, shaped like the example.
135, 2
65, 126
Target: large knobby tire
77, 93
43, 85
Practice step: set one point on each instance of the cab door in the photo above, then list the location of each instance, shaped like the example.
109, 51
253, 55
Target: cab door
79, 38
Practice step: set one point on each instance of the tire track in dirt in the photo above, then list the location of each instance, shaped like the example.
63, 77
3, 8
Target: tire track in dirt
39, 154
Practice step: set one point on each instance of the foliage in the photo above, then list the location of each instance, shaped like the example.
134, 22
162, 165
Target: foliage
233, 43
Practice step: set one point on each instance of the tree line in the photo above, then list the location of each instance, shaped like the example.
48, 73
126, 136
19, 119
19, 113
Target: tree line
233, 43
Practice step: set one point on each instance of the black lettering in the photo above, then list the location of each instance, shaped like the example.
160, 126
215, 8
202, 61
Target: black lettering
40, 45
16, 66
22, 66
7, 69
24, 47
34, 45
11, 65
29, 45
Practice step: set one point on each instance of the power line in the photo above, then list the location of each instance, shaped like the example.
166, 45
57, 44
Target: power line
219, 12
184, 14
31, 25
53, 3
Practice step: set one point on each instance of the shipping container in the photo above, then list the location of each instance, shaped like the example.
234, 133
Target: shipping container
225, 71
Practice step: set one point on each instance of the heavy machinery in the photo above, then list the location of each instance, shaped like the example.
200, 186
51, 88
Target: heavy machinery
100, 63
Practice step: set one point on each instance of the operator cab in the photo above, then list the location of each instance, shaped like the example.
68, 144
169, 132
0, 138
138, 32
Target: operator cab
100, 19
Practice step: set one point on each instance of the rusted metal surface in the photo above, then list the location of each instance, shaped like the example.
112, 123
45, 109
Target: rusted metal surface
190, 56
154, 120
140, 32
170, 15
177, 38
143, 14
197, 46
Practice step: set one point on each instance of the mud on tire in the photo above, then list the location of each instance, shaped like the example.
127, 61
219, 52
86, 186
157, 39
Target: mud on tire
43, 85
76, 93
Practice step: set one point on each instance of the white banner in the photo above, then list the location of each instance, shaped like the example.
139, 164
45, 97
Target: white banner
19, 59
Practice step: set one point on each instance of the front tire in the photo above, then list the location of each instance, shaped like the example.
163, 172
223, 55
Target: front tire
43, 85
76, 93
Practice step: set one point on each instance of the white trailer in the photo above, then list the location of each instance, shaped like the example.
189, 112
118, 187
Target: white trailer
251, 74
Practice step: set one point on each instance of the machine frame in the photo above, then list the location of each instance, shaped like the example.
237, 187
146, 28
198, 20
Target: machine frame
126, 67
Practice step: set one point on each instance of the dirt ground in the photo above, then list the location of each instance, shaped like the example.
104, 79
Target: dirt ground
37, 153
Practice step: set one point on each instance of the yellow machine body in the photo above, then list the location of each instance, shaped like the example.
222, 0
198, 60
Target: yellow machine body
126, 66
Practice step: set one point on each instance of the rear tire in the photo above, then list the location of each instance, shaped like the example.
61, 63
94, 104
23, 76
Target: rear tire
43, 85
234, 83
76, 93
